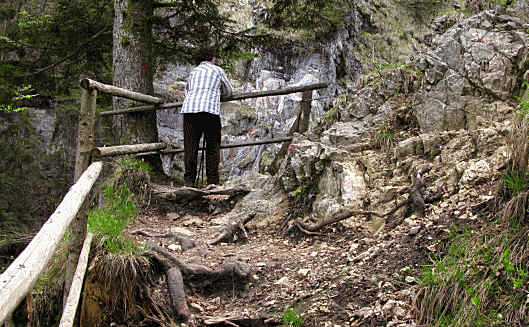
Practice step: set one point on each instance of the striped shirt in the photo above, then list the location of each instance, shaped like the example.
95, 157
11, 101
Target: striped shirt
203, 89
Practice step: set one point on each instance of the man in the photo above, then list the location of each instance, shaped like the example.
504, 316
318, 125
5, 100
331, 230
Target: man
201, 108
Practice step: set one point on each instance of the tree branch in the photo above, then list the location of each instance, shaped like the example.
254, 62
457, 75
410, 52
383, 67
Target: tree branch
81, 47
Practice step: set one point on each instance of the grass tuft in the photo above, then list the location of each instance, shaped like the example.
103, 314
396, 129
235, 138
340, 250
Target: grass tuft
292, 318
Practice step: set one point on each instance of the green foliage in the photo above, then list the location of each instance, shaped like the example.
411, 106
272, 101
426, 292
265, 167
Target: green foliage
479, 282
199, 23
292, 318
297, 191
50, 46
110, 220
423, 10
318, 17
19, 96
516, 182
128, 163
523, 109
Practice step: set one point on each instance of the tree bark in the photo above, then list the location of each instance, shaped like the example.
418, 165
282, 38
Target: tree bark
133, 66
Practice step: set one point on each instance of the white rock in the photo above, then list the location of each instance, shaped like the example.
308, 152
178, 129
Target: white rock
180, 230
175, 247
282, 281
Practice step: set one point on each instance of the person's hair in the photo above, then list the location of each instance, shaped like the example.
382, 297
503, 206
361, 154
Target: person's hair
204, 54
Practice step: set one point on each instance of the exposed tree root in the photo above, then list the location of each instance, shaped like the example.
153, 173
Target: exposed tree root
239, 321
174, 268
229, 233
185, 242
175, 287
231, 270
312, 229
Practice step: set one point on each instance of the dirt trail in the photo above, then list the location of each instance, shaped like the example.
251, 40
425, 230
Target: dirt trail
347, 276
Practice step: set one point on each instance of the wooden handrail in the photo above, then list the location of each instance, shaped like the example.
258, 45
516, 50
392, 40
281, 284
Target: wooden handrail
20, 277
288, 90
235, 145
70, 308
109, 151
88, 84
240, 96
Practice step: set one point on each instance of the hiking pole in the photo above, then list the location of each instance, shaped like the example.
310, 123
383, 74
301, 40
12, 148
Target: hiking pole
201, 169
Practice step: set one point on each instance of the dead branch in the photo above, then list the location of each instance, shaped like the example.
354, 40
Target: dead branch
185, 242
415, 198
311, 229
229, 232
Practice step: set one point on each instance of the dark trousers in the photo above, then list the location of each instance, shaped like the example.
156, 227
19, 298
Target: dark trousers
195, 125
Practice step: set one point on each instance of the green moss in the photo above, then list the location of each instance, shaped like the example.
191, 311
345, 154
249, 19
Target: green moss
125, 42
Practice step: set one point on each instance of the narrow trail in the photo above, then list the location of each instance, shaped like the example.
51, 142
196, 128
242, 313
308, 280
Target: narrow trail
347, 276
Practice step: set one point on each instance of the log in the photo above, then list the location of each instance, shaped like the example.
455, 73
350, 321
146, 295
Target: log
229, 232
189, 193
109, 151
85, 133
85, 144
234, 145
22, 274
70, 308
88, 84
233, 97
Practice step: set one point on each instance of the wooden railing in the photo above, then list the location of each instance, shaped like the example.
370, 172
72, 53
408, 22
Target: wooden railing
22, 274
20, 277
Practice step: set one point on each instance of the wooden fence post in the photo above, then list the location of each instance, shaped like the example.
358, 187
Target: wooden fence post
301, 125
85, 144
70, 307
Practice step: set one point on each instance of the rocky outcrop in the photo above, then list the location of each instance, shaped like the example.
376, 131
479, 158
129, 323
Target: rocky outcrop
461, 95
472, 73
336, 61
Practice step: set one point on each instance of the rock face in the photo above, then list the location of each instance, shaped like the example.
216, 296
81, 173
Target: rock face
38, 155
481, 56
335, 61
458, 97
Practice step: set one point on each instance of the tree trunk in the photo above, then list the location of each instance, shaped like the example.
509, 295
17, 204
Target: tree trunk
132, 62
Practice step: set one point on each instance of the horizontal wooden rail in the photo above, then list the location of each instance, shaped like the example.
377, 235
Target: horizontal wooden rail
117, 91
68, 314
284, 91
109, 151
141, 109
239, 96
238, 145
22, 274
222, 146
